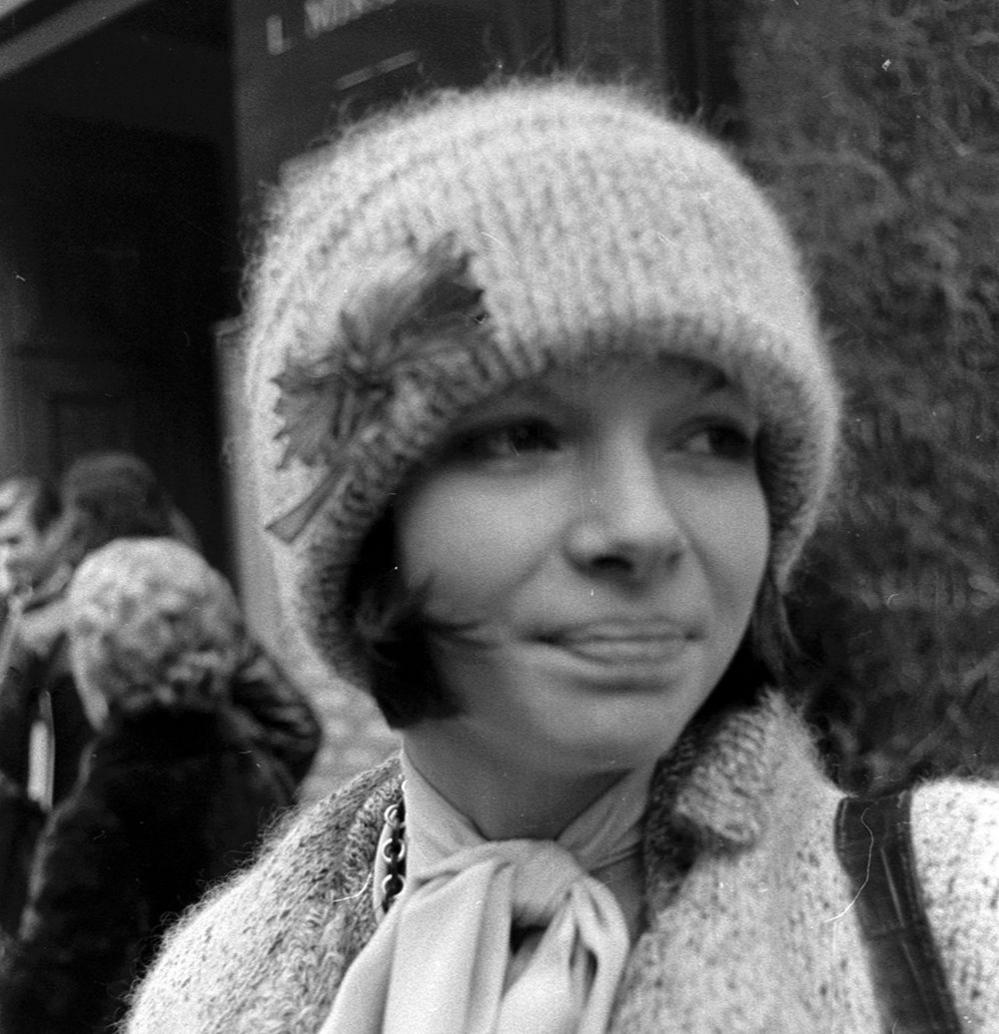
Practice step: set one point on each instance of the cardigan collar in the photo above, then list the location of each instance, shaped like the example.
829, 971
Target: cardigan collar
714, 786
713, 792
710, 793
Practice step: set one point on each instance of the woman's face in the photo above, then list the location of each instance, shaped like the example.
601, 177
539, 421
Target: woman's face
591, 545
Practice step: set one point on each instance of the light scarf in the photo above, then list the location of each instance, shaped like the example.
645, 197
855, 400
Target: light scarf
441, 961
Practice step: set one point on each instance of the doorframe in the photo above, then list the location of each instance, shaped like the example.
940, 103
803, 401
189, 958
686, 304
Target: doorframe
57, 31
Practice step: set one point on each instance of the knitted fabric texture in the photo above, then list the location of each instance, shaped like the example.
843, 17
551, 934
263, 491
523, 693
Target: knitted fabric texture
752, 932
583, 224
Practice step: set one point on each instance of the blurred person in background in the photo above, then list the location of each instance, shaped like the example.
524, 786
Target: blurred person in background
38, 700
105, 496
31, 563
174, 793
116, 494
28, 506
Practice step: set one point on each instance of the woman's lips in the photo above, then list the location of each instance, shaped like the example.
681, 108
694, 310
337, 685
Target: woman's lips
623, 643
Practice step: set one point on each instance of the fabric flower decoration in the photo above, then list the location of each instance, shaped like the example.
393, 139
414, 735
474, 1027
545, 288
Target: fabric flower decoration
399, 331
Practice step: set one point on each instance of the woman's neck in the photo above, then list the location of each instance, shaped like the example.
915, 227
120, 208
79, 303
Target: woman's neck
504, 800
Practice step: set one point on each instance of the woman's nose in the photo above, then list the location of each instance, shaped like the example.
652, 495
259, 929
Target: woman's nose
627, 526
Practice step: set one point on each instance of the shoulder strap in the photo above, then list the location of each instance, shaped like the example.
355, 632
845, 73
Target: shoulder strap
874, 844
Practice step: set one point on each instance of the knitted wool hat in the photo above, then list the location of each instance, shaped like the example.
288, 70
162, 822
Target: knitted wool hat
435, 257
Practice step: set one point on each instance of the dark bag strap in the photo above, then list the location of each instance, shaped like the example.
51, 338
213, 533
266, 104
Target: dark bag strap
21, 822
874, 844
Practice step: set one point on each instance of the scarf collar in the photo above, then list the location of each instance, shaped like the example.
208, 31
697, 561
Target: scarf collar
605, 833
712, 794
469, 897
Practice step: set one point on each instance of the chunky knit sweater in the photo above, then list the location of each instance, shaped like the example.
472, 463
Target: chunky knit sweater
749, 928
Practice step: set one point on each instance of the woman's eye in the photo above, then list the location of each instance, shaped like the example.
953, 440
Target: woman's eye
724, 441
522, 438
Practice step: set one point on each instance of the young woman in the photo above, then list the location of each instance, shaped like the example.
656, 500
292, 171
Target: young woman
543, 422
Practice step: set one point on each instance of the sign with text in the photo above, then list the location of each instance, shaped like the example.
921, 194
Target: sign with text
327, 15
303, 66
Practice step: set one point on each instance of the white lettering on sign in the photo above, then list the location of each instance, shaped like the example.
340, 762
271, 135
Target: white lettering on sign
325, 15
390, 64
277, 41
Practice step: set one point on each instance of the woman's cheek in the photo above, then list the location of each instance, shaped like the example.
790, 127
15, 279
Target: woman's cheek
467, 543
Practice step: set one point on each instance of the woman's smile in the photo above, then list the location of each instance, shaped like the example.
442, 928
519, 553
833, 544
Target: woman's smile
618, 643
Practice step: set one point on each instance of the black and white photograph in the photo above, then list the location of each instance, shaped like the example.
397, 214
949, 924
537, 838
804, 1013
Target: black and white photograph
498, 517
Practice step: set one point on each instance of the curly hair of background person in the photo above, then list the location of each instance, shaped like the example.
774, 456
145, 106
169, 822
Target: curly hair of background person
153, 624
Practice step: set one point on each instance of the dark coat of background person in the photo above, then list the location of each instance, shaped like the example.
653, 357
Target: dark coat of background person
169, 803
34, 671
38, 665
30, 674
37, 690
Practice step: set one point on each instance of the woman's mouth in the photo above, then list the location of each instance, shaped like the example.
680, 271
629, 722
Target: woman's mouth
623, 642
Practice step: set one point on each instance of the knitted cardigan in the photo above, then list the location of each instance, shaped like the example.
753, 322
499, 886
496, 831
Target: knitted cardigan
750, 927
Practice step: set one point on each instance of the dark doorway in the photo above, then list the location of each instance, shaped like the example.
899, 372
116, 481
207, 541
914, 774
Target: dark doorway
116, 192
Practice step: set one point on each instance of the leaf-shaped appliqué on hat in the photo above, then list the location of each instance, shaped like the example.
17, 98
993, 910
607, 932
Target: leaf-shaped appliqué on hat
403, 327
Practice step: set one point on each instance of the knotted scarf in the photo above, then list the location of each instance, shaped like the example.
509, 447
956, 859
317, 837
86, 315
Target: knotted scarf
442, 961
